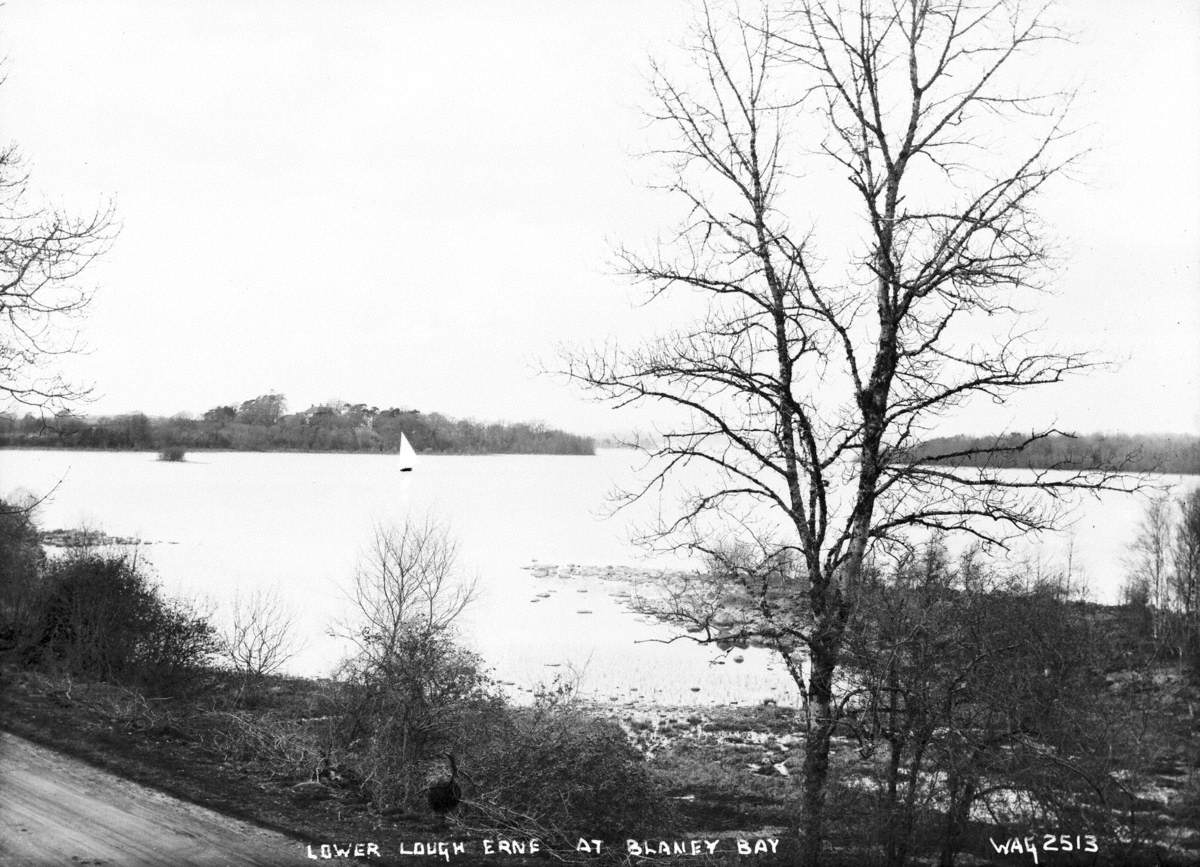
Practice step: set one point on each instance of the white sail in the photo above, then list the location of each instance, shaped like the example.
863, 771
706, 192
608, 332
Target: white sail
408, 455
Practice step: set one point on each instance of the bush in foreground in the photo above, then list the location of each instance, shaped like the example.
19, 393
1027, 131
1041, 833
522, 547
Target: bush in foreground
172, 454
99, 616
411, 692
21, 560
558, 772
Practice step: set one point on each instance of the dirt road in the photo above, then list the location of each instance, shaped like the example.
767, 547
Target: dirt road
58, 810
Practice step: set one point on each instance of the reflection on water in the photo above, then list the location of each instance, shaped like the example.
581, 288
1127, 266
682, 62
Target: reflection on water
224, 522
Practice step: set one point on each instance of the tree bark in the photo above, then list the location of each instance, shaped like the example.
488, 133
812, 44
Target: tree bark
816, 751
957, 814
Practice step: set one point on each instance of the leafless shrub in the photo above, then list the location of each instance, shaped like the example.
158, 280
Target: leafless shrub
557, 772
1185, 579
408, 681
260, 637
1148, 562
407, 582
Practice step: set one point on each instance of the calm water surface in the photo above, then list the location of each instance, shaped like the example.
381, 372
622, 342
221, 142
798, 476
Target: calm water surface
229, 522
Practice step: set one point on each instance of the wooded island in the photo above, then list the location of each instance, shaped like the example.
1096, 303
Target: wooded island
263, 424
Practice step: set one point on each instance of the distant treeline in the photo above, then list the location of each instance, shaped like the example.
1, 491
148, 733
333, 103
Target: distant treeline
1163, 453
262, 424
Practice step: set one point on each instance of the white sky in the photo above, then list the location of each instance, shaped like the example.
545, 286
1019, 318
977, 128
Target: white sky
411, 203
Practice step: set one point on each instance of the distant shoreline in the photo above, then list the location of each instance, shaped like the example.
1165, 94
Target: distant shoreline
49, 447
262, 424
1167, 454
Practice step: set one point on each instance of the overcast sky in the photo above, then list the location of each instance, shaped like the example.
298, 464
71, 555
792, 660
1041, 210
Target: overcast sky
411, 203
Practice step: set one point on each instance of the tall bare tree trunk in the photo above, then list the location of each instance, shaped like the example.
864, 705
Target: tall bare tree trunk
892, 845
816, 751
957, 815
805, 385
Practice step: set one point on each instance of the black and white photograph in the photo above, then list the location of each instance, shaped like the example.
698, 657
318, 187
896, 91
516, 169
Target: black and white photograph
675, 432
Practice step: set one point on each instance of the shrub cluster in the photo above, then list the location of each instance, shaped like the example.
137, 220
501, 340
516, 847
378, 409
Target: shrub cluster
100, 617
413, 693
402, 710
552, 770
94, 614
558, 772
409, 694
21, 560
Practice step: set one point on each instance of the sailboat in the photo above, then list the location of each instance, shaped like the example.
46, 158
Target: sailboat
408, 455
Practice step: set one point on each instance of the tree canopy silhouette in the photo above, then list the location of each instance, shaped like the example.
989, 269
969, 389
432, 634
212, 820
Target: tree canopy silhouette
822, 353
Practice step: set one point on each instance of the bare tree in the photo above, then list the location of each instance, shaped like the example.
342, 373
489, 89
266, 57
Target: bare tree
408, 678
407, 582
1148, 564
981, 694
819, 362
1185, 578
42, 255
259, 639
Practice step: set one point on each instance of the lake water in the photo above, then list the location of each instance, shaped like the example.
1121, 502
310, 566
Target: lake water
230, 522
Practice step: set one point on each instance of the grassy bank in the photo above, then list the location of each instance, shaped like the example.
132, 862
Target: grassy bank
248, 757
